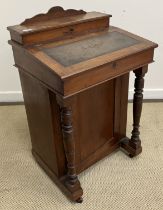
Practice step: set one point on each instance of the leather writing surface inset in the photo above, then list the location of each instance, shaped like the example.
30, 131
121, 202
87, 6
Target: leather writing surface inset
89, 48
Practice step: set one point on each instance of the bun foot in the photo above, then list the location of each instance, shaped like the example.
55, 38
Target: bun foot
131, 156
79, 200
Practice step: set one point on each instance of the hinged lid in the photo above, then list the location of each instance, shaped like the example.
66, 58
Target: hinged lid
58, 24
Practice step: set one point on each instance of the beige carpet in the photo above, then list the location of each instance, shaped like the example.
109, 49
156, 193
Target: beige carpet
116, 182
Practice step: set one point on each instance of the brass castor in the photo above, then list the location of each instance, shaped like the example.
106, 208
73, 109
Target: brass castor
79, 200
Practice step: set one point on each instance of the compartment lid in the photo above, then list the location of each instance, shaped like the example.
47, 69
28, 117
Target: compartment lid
55, 18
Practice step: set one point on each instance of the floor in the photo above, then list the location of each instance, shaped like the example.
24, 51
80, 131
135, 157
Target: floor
115, 183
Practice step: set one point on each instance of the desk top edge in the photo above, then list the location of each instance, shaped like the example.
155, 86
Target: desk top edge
56, 23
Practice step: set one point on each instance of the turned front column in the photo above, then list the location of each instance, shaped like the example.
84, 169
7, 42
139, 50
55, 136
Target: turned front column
133, 145
69, 144
135, 141
71, 179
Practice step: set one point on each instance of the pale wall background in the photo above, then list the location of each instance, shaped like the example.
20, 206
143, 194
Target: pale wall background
143, 17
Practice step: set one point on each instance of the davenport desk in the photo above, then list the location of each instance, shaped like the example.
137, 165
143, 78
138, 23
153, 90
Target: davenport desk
74, 70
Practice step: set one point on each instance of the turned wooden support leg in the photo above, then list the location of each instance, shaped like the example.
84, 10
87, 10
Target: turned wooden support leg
133, 145
137, 107
69, 145
71, 180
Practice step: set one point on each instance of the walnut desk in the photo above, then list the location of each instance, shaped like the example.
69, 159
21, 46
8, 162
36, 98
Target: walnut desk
74, 70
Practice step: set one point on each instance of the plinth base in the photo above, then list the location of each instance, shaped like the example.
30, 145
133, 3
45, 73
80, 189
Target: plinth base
73, 193
127, 148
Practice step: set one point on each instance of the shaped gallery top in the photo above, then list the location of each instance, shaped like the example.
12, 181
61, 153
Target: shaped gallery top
71, 42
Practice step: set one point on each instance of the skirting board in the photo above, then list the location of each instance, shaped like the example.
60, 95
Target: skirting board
11, 96
149, 94
16, 96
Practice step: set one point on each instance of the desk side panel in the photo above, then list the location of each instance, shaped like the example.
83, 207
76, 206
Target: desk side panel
43, 120
124, 104
96, 123
99, 120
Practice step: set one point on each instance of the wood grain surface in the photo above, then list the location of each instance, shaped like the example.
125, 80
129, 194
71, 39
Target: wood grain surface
74, 70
